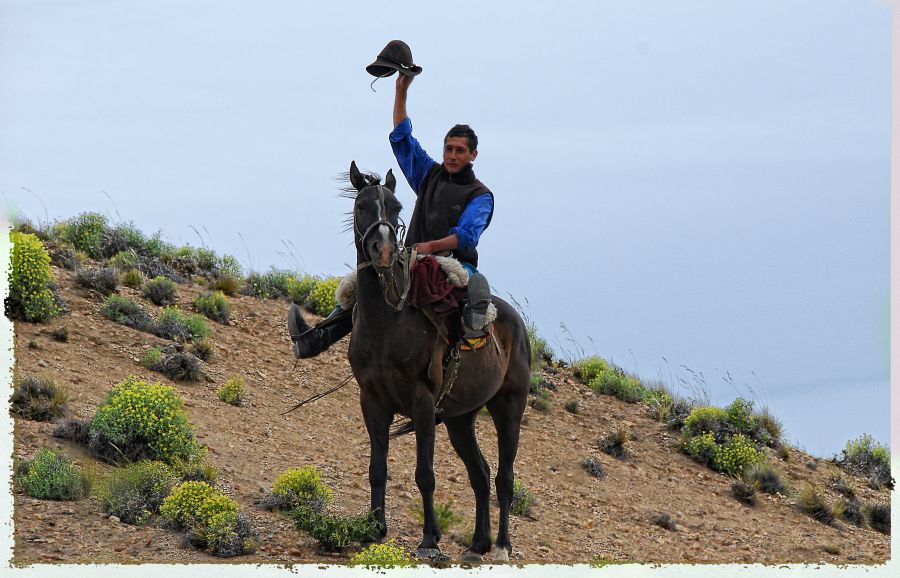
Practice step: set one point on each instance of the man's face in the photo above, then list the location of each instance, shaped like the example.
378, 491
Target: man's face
457, 154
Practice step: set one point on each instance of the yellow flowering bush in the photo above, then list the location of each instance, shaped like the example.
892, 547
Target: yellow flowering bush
30, 280
387, 555
702, 448
299, 289
301, 486
232, 391
736, 455
705, 419
210, 517
321, 298
139, 419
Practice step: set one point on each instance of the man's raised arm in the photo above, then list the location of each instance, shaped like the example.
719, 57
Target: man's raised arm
403, 83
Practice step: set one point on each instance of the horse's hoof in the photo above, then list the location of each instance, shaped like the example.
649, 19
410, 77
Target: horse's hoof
470, 557
500, 555
431, 554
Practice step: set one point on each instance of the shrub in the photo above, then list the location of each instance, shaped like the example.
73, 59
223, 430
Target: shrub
126, 312
736, 455
51, 475
104, 281
301, 487
659, 403
840, 485
678, 413
173, 324
228, 266
766, 479
852, 513
665, 521
203, 349
122, 238
227, 284
124, 261
866, 457
214, 305
180, 366
522, 499
573, 406
541, 354
707, 419
299, 289
387, 555
594, 467
138, 420
31, 296
232, 391
444, 514
321, 298
135, 492
811, 501
85, 232
703, 448
589, 368
769, 424
269, 285
38, 398
739, 414
617, 384
161, 290
541, 401
536, 384
210, 517
334, 532
132, 278
744, 492
60, 334
152, 358
614, 444
879, 515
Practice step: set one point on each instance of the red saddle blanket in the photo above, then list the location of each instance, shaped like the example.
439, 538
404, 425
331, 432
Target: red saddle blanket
428, 287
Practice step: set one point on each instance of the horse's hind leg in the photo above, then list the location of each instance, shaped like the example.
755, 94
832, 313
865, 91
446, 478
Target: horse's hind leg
461, 431
378, 424
506, 411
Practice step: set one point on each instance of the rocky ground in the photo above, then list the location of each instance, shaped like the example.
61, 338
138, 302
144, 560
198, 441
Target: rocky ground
578, 517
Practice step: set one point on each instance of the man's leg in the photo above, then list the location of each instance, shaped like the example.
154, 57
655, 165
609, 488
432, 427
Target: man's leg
479, 298
311, 341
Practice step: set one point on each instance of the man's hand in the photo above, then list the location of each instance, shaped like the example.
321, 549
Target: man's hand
448, 243
423, 248
403, 82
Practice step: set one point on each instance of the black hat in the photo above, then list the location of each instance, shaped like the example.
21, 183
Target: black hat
396, 56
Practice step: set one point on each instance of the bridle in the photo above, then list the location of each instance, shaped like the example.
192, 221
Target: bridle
402, 255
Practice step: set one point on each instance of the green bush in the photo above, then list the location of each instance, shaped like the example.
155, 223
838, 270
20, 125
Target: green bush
173, 324
228, 266
541, 354
126, 312
864, 456
811, 501
232, 391
38, 398
135, 492
444, 514
161, 290
589, 368
879, 515
203, 349
124, 261
659, 403
321, 298
702, 448
269, 285
227, 284
301, 487
707, 419
123, 238
132, 278
180, 366
541, 401
387, 555
335, 532
51, 475
152, 358
767, 479
211, 519
299, 289
31, 286
85, 232
617, 384
522, 500
615, 444
140, 420
214, 305
740, 416
736, 455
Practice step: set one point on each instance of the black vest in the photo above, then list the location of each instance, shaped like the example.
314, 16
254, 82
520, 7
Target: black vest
442, 199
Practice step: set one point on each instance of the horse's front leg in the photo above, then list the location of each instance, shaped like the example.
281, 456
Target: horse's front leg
423, 423
378, 423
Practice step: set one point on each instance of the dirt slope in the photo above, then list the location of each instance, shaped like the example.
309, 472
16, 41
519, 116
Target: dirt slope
578, 516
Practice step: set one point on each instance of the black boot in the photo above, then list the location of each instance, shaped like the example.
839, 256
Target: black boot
475, 312
311, 341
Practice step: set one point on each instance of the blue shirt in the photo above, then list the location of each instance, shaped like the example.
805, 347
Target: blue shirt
415, 164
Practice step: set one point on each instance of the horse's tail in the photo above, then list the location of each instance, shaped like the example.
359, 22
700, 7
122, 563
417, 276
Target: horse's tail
405, 426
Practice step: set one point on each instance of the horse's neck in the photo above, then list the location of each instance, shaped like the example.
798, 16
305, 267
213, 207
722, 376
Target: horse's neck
370, 297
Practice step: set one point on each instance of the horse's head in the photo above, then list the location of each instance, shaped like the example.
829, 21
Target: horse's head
376, 212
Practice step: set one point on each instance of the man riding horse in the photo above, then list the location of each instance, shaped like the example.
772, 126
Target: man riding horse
453, 208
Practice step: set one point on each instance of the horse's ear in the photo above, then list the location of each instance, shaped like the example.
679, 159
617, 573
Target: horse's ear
356, 177
389, 181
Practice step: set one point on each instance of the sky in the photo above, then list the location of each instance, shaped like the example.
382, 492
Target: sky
698, 191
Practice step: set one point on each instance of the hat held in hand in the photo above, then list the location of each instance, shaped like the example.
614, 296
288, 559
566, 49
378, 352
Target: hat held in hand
396, 56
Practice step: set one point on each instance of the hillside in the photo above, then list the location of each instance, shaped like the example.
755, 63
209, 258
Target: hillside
578, 517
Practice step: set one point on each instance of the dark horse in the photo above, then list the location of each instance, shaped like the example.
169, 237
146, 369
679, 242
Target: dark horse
391, 352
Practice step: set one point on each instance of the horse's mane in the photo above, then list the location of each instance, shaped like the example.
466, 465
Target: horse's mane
348, 191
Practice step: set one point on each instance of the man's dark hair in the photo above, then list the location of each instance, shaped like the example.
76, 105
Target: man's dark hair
466, 131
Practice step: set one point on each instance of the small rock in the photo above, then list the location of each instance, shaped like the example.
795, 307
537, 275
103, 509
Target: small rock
114, 519
43, 363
